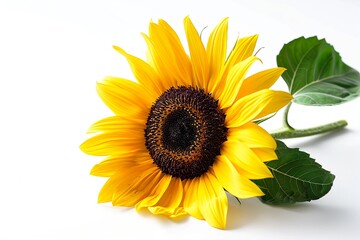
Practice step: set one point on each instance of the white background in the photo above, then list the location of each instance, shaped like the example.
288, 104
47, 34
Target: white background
53, 52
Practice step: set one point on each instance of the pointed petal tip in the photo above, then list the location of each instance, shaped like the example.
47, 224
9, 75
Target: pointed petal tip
276, 71
267, 174
115, 47
161, 21
84, 147
212, 201
95, 171
224, 21
218, 225
282, 69
152, 25
287, 97
119, 49
253, 38
87, 147
187, 21
102, 199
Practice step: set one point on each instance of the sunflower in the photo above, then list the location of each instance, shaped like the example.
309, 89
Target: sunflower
183, 134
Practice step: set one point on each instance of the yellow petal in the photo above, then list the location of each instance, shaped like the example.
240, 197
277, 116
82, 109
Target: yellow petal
256, 105
144, 73
156, 194
232, 181
191, 205
107, 191
216, 51
124, 97
170, 200
234, 81
252, 135
244, 48
130, 192
167, 43
171, 33
178, 212
117, 123
279, 100
112, 164
245, 160
124, 177
165, 52
171, 213
163, 70
212, 201
259, 81
197, 54
265, 154
114, 143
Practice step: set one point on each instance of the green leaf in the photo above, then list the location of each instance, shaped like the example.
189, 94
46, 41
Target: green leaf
316, 74
297, 178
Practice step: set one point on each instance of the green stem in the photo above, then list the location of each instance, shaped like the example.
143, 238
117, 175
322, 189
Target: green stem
285, 118
296, 133
287, 131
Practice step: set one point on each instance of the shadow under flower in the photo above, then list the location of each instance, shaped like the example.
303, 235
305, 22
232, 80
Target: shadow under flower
270, 216
161, 218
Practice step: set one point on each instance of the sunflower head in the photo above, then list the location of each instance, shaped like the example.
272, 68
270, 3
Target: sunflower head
183, 132
178, 129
